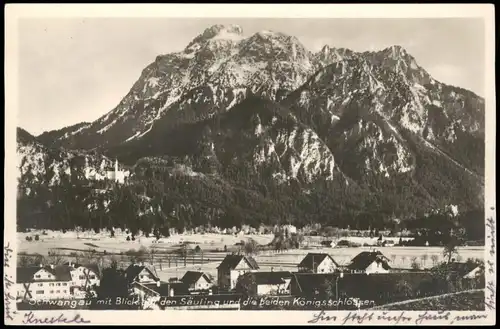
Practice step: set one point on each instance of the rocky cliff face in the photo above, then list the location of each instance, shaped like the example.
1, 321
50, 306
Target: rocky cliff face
390, 91
39, 165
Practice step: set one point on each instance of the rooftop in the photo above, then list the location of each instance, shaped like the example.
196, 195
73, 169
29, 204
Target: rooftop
133, 271
312, 260
192, 277
271, 277
365, 258
231, 261
26, 274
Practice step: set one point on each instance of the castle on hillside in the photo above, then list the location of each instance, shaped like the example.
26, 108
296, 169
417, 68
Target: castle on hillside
116, 175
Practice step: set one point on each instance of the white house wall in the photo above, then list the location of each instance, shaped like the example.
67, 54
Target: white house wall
43, 274
145, 276
376, 267
274, 289
79, 277
326, 266
45, 290
202, 284
242, 268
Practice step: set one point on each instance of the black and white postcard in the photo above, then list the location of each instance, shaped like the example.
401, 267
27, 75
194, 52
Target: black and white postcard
328, 164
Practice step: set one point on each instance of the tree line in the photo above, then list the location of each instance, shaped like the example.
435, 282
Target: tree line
162, 196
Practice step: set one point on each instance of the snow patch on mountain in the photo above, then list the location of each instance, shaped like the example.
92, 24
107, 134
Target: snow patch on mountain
228, 35
133, 136
121, 113
69, 134
259, 130
153, 82
437, 103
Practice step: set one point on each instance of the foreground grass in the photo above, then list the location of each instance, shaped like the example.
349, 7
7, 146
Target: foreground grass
470, 300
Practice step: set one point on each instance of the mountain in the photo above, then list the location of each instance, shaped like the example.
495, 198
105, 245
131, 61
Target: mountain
214, 72
261, 128
392, 125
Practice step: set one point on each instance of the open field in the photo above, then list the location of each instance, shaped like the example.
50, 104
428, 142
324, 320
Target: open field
401, 257
168, 264
103, 242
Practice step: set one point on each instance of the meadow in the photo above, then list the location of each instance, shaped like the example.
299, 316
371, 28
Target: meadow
206, 251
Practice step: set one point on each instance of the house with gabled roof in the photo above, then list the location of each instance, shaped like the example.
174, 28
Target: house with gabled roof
196, 281
475, 272
312, 284
144, 282
459, 269
269, 283
141, 273
84, 277
43, 282
159, 289
231, 267
318, 263
475, 278
369, 262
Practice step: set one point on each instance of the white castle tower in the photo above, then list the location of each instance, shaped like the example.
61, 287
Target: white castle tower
117, 175
87, 169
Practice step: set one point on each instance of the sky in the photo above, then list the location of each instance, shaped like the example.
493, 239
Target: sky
73, 70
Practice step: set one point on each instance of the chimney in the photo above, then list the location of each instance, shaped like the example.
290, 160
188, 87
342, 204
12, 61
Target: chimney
41, 265
52, 266
158, 283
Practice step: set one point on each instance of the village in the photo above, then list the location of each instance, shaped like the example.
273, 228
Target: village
367, 280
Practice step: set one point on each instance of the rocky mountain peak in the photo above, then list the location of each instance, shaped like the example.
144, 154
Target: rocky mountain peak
267, 34
399, 61
223, 29
396, 51
329, 55
228, 33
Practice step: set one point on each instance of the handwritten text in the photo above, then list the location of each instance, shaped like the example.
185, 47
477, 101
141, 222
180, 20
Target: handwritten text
31, 318
8, 284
